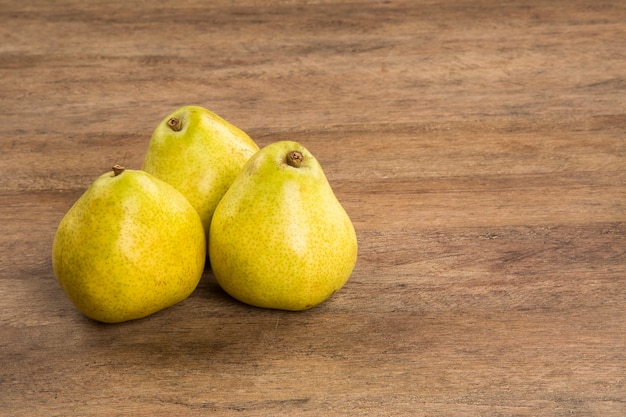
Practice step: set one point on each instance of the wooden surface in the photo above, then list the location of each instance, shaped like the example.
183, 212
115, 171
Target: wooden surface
479, 147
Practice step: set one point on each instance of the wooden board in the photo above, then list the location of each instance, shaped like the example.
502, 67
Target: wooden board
478, 146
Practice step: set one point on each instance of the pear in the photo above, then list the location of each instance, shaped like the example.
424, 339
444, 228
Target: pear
199, 154
130, 246
279, 237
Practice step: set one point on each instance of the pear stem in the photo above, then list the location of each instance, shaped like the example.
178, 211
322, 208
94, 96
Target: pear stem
295, 158
175, 124
117, 170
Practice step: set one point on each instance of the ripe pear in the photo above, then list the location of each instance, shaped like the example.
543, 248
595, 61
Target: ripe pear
130, 246
279, 237
200, 154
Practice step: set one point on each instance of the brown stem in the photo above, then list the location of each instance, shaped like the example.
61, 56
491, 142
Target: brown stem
295, 158
117, 170
175, 124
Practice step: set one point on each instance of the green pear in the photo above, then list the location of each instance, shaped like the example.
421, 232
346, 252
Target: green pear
130, 246
200, 154
279, 237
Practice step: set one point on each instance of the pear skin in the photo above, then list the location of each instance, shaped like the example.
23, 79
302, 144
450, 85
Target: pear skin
279, 237
130, 246
199, 154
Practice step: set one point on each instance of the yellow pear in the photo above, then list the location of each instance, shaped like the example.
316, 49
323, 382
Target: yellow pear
199, 154
279, 237
130, 246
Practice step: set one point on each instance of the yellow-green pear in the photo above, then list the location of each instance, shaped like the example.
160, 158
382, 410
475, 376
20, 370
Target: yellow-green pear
200, 154
130, 246
279, 237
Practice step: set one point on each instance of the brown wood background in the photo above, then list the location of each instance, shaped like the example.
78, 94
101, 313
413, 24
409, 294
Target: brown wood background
479, 147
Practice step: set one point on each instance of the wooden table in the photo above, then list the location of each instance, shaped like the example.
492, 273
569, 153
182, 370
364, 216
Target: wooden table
479, 147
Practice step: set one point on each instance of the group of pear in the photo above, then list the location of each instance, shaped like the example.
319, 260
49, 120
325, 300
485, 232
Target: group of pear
265, 220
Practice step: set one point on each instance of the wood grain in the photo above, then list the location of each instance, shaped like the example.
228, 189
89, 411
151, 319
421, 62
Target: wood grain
479, 147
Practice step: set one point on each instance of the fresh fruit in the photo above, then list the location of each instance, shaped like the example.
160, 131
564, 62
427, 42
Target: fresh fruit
279, 237
200, 154
130, 246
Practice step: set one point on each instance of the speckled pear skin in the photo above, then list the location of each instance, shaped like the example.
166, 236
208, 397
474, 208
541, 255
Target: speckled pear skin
200, 156
130, 246
279, 237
